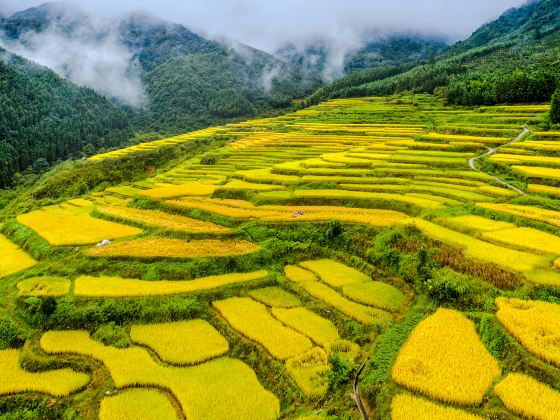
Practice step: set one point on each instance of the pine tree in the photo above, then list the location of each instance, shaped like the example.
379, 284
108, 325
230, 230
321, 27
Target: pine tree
555, 107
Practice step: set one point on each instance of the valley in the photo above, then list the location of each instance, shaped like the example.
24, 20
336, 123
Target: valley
269, 235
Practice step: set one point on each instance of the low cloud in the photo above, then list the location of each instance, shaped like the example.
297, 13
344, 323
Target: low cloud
100, 63
341, 26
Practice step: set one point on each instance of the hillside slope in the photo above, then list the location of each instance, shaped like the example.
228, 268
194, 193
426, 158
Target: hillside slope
153, 47
44, 117
512, 59
394, 49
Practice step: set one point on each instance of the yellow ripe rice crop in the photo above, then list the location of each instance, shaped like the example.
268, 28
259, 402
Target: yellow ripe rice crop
526, 238
118, 287
544, 189
298, 274
156, 247
228, 208
460, 138
44, 286
181, 343
275, 297
528, 398
527, 159
309, 371
373, 217
239, 185
366, 195
497, 191
211, 390
137, 403
123, 191
156, 218
252, 320
507, 259
406, 407
265, 175
58, 383
445, 360
375, 293
544, 277
534, 324
319, 329
335, 274
472, 223
361, 313
534, 213
189, 189
537, 172
64, 226
12, 258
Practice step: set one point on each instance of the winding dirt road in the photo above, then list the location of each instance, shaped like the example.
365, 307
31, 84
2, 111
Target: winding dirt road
490, 152
356, 391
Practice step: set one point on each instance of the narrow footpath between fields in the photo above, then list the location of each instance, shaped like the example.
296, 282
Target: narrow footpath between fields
490, 152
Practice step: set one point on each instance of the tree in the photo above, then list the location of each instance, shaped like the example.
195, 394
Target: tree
555, 108
40, 166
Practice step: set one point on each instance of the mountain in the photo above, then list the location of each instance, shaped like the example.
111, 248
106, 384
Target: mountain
512, 59
44, 118
324, 58
144, 53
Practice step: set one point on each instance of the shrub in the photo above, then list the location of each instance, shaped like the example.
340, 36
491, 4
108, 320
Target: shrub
340, 371
112, 335
9, 334
555, 108
447, 285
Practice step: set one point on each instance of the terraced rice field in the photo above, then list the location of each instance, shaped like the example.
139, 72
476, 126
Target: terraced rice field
160, 219
157, 247
212, 389
181, 343
528, 398
44, 286
12, 258
535, 324
149, 404
350, 231
406, 407
461, 374
252, 320
68, 225
118, 287
57, 383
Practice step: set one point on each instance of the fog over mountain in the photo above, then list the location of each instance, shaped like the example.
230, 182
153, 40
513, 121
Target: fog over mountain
269, 25
81, 41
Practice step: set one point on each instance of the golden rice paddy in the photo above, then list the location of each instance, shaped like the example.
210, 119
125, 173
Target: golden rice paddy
12, 258
445, 360
160, 219
535, 324
156, 247
181, 343
87, 286
70, 225
213, 389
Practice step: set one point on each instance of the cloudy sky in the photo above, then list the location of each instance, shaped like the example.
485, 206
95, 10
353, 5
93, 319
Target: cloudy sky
267, 24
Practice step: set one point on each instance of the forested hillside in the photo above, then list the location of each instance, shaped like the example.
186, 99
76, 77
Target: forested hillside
513, 59
396, 49
44, 118
172, 64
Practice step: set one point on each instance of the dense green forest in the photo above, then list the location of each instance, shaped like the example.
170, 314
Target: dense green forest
392, 50
513, 59
190, 82
44, 118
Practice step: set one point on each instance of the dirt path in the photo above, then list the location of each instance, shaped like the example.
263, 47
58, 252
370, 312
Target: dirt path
356, 392
494, 150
